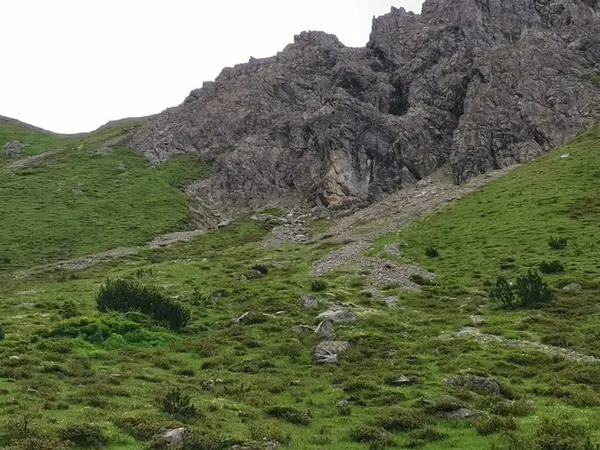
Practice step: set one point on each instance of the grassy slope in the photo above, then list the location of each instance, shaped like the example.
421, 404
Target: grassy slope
79, 201
262, 363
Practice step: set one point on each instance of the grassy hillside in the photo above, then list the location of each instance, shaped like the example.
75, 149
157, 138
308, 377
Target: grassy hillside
70, 372
68, 197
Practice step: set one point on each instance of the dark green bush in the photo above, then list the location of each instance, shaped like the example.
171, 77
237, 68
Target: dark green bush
2, 333
551, 267
122, 295
503, 293
318, 286
432, 252
290, 415
86, 436
557, 243
178, 404
532, 291
494, 424
528, 291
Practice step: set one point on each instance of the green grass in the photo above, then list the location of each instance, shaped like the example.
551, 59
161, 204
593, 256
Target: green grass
80, 201
255, 380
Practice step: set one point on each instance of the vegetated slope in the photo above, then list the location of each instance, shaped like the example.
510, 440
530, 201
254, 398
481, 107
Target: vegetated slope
479, 85
71, 196
409, 377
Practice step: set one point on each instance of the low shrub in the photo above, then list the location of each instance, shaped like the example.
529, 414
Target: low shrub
318, 286
267, 433
551, 267
86, 436
557, 243
402, 420
528, 291
178, 404
420, 438
532, 291
432, 252
374, 436
68, 310
144, 426
290, 415
494, 424
122, 295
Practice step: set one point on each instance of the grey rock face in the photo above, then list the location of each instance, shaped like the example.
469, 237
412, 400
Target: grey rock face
310, 301
479, 85
328, 352
14, 148
326, 330
475, 383
175, 436
342, 315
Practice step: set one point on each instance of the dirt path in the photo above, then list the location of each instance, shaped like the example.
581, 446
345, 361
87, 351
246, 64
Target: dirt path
84, 262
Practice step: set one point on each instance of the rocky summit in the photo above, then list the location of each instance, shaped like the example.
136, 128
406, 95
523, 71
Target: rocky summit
474, 85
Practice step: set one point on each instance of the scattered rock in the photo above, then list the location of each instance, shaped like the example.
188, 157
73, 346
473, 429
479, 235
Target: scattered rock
338, 316
171, 238
302, 329
310, 301
566, 156
270, 219
573, 287
391, 302
326, 330
475, 320
475, 383
328, 352
208, 385
175, 436
402, 381
27, 305
14, 148
242, 317
461, 413
392, 249
371, 293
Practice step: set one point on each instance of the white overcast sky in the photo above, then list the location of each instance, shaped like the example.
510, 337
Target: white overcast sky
72, 65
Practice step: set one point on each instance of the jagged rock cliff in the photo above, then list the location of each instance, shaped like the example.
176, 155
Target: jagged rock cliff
478, 84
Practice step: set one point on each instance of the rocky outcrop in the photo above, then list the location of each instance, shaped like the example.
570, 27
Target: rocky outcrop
479, 84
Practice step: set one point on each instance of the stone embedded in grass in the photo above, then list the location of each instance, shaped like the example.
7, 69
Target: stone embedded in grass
573, 287
175, 436
391, 302
301, 329
475, 383
402, 381
461, 413
328, 352
343, 315
475, 320
310, 301
326, 330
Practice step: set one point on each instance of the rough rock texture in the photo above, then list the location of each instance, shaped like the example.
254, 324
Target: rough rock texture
479, 84
14, 148
475, 383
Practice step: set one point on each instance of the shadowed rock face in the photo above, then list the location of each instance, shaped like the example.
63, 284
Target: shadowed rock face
480, 84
